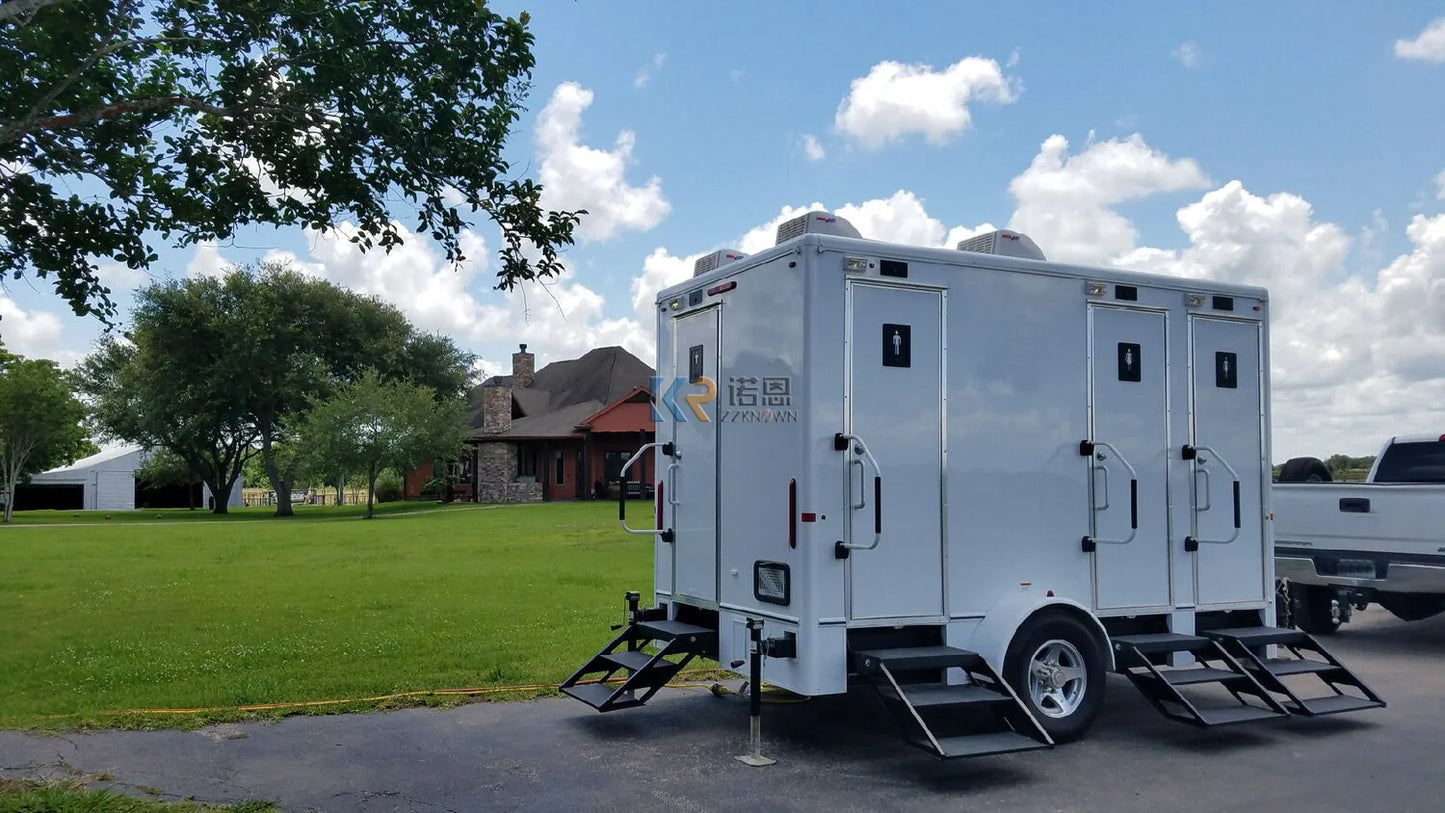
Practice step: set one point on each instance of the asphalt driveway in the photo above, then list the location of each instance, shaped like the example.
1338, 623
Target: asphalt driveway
676, 753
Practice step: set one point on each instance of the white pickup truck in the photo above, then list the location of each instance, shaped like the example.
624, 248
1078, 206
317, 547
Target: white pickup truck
1343, 545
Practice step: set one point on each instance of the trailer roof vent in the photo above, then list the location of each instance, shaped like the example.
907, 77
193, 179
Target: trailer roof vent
815, 223
1007, 243
717, 259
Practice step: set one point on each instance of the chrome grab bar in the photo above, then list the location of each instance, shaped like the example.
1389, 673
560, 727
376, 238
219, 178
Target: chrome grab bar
622, 496
860, 447
1191, 543
1091, 449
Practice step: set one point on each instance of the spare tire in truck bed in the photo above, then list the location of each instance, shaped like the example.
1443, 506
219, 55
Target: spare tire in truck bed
1304, 470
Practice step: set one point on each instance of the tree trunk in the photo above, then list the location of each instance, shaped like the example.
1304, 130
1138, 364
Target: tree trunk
281, 481
9, 500
221, 495
341, 489
370, 487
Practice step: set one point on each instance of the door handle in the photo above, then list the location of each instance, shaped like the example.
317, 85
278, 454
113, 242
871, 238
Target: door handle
1191, 543
1090, 448
1355, 505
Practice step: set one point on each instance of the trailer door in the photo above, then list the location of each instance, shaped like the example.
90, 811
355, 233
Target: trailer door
1129, 419
1228, 468
895, 405
690, 489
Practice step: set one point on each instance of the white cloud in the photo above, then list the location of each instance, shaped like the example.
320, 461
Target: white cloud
812, 148
118, 277
559, 319
1013, 58
33, 334
1428, 47
895, 100
644, 73
576, 176
1355, 358
1440, 185
1187, 54
207, 262
1064, 200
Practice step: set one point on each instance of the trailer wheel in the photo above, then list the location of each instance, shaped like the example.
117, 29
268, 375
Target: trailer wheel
1056, 667
1314, 609
1304, 470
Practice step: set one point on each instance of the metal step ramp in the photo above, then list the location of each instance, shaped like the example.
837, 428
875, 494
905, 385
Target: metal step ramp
972, 719
1304, 657
1137, 657
637, 663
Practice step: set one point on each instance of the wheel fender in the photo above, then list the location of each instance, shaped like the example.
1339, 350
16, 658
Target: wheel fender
997, 630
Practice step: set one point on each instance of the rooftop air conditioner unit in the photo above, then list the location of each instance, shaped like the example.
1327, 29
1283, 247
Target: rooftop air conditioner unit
1007, 243
815, 223
717, 259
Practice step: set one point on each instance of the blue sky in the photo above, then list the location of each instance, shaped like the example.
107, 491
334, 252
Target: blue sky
1295, 145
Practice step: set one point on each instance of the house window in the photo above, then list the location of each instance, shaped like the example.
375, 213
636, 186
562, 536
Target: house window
561, 462
526, 462
612, 465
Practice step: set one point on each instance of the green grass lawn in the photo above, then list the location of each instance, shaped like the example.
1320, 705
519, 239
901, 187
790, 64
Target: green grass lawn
303, 512
115, 616
19, 796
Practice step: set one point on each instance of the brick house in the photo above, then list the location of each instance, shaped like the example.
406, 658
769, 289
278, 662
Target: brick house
553, 434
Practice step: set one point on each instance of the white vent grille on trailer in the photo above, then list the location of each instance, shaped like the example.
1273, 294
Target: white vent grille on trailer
716, 259
815, 223
1007, 243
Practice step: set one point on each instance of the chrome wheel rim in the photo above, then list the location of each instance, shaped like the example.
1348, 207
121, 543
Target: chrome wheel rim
1057, 678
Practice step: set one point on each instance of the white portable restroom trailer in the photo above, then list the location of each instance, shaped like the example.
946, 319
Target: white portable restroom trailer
975, 478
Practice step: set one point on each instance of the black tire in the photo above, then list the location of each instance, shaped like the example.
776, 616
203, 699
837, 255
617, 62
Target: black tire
1304, 470
1044, 629
1313, 609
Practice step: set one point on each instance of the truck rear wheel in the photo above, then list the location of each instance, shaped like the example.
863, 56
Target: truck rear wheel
1315, 609
1056, 667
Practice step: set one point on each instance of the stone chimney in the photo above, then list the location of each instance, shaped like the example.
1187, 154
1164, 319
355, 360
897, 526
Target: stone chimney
496, 407
524, 364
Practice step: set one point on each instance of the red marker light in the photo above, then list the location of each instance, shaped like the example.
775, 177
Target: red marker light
809, 516
723, 288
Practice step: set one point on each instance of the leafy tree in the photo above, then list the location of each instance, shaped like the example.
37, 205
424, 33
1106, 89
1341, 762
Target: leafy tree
221, 370
372, 425
180, 383
127, 121
40, 422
